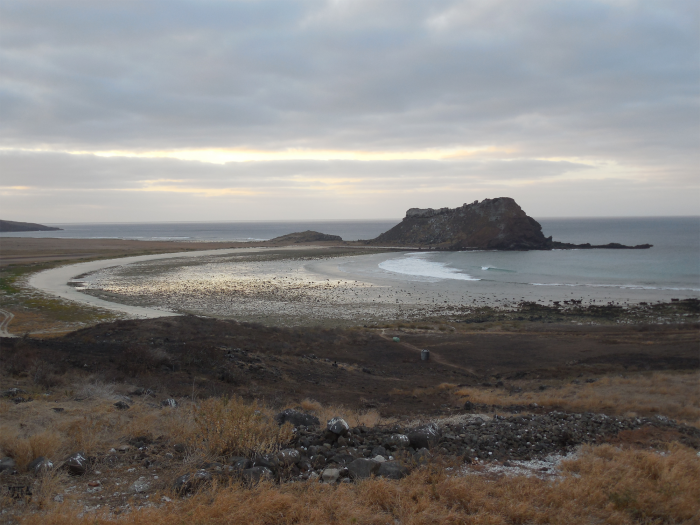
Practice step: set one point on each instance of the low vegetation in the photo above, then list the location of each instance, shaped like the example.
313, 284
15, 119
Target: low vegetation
610, 484
671, 394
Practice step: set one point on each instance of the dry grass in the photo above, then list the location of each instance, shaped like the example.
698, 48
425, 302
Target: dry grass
369, 418
672, 394
604, 485
224, 427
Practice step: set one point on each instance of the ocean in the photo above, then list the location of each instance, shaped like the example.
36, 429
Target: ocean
238, 231
672, 264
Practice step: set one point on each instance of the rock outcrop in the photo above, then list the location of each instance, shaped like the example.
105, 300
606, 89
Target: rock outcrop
13, 226
307, 236
492, 224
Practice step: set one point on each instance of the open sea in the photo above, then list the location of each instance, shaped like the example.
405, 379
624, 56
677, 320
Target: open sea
672, 264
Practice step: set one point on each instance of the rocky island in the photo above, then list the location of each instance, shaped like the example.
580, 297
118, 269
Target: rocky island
492, 224
307, 236
13, 226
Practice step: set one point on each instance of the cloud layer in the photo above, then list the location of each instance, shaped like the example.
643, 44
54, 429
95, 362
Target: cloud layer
540, 92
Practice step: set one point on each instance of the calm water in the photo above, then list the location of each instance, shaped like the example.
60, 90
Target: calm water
673, 262
213, 231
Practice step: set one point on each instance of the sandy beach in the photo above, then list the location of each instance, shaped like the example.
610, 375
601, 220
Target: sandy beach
305, 285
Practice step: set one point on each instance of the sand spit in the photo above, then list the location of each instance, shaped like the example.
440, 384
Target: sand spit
61, 281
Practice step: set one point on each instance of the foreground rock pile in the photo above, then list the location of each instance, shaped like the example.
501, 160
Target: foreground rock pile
337, 453
342, 454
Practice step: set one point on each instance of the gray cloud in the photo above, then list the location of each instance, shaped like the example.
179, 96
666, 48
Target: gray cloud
587, 79
56, 187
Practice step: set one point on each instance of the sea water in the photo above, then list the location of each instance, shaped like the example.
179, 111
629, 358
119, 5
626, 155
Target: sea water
673, 263
233, 231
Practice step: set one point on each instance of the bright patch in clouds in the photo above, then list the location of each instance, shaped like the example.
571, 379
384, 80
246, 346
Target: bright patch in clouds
188, 110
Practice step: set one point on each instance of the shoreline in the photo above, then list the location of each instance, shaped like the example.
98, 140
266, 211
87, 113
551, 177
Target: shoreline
334, 289
56, 281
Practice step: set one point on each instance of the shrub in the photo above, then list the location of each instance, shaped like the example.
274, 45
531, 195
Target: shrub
224, 426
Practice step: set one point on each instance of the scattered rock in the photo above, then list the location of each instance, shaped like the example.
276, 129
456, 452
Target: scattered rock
40, 465
338, 426
392, 470
289, 456
362, 468
7, 464
255, 474
140, 486
13, 392
189, 482
397, 440
76, 464
296, 418
142, 392
424, 437
269, 461
330, 475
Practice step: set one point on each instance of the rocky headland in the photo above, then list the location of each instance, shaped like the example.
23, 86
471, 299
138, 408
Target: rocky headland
13, 226
492, 224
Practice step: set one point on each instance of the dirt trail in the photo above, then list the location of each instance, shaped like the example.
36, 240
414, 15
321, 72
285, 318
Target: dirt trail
433, 356
8, 316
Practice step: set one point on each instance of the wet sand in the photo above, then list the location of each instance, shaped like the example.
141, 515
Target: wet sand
297, 285
59, 281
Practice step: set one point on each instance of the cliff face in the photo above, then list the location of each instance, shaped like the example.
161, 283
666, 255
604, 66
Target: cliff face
492, 224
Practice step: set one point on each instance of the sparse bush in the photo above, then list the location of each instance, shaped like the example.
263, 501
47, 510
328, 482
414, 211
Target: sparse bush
225, 426
96, 390
368, 418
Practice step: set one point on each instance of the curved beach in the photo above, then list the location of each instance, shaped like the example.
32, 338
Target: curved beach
56, 281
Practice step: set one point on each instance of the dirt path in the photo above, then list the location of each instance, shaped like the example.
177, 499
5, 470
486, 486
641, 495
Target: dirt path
433, 356
8, 316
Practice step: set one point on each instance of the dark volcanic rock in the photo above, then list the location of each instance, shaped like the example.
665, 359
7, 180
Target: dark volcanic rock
307, 236
40, 465
7, 464
392, 470
493, 224
588, 246
424, 437
338, 426
363, 468
255, 474
76, 464
189, 482
296, 418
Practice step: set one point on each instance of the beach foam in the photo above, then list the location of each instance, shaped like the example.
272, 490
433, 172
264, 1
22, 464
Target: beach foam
416, 264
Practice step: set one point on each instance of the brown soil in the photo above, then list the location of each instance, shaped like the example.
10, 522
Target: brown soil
355, 368
23, 250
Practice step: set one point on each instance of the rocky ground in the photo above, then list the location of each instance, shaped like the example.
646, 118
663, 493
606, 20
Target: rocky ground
427, 412
146, 470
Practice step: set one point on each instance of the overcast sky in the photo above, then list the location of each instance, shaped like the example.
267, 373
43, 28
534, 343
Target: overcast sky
346, 109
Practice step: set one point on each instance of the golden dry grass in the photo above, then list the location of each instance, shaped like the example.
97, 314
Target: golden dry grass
369, 418
604, 485
672, 394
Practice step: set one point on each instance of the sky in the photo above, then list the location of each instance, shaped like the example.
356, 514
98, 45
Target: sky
213, 110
